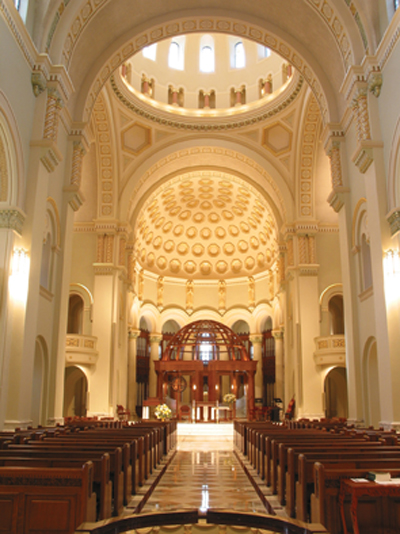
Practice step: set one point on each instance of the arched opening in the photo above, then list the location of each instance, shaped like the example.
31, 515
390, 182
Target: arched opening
75, 392
336, 315
75, 314
203, 362
335, 389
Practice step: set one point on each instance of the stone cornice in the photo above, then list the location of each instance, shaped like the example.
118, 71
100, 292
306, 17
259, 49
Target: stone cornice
217, 123
12, 219
393, 218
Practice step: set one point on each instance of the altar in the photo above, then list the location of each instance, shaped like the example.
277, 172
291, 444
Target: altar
210, 411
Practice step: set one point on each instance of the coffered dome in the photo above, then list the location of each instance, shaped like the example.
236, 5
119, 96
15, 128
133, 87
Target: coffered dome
239, 74
206, 225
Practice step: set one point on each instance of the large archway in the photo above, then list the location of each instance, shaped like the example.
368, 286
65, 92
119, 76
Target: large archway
202, 363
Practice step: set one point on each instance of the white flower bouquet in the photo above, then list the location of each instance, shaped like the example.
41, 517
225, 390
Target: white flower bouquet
229, 398
162, 411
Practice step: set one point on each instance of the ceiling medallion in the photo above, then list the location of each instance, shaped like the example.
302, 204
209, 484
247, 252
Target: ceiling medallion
169, 246
167, 227
205, 267
190, 267
221, 267
228, 215
182, 248
205, 233
198, 249
236, 266
191, 232
198, 217
214, 250
229, 249
175, 266
178, 230
162, 262
249, 263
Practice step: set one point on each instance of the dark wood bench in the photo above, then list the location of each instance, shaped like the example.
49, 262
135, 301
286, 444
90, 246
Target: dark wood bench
298, 504
325, 507
90, 452
102, 484
46, 500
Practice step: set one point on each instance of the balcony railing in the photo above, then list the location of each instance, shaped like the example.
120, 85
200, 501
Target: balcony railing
330, 350
81, 349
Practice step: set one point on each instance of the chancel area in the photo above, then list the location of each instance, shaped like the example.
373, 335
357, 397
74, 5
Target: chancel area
199, 210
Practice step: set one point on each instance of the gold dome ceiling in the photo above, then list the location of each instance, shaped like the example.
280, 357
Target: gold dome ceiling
206, 225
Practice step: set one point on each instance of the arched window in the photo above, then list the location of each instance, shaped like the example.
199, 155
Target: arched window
335, 307
75, 315
150, 52
176, 53
207, 55
396, 4
239, 56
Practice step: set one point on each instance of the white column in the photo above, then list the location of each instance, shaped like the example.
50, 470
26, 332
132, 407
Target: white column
256, 340
132, 385
155, 340
279, 364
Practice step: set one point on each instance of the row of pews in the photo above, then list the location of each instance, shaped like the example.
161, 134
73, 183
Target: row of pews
305, 466
54, 479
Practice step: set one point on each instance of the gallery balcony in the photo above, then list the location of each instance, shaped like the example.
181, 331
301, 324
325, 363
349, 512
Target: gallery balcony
81, 349
330, 350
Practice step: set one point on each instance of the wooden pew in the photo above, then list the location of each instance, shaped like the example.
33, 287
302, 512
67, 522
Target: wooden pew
88, 451
102, 484
298, 504
344, 445
325, 507
45, 500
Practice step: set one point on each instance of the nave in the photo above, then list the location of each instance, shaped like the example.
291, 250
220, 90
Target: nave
204, 473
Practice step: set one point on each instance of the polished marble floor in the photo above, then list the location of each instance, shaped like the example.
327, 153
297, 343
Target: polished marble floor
205, 472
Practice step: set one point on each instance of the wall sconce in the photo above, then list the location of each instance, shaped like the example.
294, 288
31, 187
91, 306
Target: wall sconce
19, 277
217, 387
391, 266
194, 387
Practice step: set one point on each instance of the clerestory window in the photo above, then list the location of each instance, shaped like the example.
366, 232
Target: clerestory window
240, 57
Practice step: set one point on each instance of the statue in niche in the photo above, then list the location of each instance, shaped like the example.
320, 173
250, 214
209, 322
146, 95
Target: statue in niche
189, 295
141, 285
221, 295
160, 291
252, 293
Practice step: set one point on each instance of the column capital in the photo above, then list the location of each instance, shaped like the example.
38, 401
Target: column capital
256, 338
278, 333
133, 333
155, 338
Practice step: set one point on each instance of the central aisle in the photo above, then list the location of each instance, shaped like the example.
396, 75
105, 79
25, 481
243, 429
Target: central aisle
204, 473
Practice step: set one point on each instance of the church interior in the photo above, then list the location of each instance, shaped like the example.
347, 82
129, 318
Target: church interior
199, 210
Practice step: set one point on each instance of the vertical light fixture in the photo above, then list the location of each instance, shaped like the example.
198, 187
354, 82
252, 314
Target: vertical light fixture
19, 277
391, 264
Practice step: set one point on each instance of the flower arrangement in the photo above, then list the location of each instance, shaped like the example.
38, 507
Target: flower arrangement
162, 411
229, 398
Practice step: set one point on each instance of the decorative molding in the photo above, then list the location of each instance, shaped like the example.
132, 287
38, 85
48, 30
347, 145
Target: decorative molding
375, 82
307, 155
393, 218
364, 154
196, 24
18, 29
4, 174
39, 83
337, 198
366, 294
106, 162
12, 219
256, 338
104, 269
308, 270
219, 122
